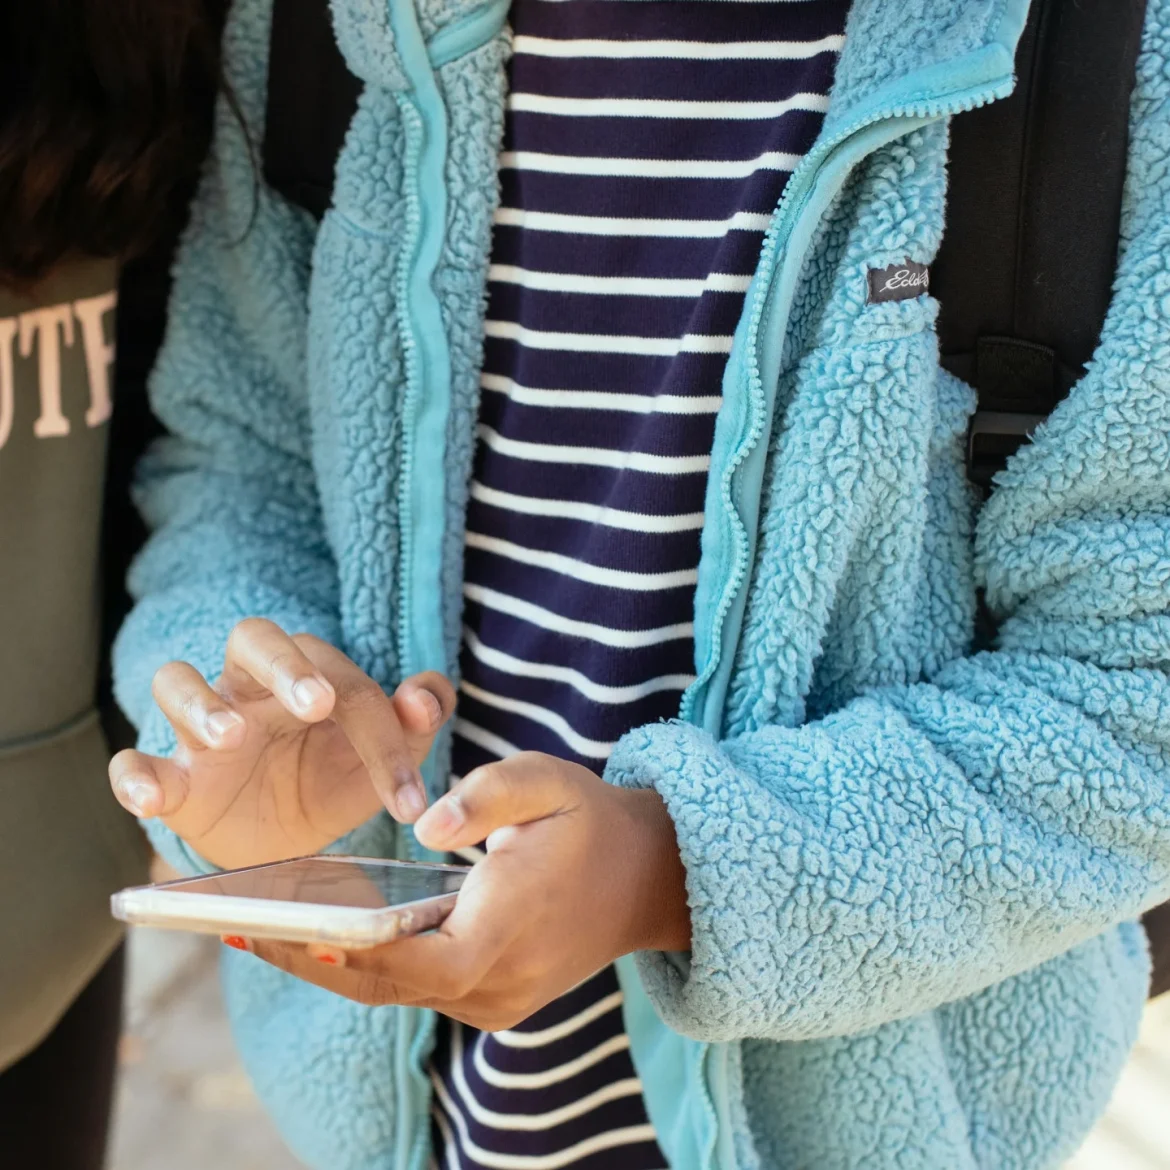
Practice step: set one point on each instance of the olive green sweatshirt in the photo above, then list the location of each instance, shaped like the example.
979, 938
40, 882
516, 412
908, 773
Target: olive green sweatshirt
64, 843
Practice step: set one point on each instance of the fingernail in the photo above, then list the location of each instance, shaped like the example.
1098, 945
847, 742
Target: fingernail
411, 802
220, 723
235, 940
442, 820
139, 795
331, 956
307, 693
432, 704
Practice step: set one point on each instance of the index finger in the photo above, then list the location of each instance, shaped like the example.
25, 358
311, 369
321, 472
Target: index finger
363, 986
367, 716
314, 681
262, 659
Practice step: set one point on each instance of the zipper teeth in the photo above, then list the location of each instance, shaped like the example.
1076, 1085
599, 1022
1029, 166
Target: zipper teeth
926, 111
413, 370
412, 363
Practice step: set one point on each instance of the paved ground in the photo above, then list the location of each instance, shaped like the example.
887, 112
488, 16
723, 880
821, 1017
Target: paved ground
185, 1104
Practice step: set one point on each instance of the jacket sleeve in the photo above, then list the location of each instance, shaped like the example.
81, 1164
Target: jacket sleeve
926, 841
230, 494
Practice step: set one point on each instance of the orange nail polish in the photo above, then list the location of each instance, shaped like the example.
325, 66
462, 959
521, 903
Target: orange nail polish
330, 956
234, 940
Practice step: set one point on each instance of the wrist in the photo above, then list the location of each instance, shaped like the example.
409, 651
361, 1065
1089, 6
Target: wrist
662, 919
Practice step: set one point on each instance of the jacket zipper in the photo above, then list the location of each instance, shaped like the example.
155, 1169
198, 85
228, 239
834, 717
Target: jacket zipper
427, 380
425, 413
413, 371
696, 706
409, 1141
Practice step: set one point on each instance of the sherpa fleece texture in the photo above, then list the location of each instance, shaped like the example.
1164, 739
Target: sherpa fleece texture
910, 867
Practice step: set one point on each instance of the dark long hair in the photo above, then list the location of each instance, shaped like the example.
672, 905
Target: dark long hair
105, 118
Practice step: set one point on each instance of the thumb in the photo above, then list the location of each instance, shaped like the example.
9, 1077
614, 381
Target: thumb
523, 788
423, 703
146, 785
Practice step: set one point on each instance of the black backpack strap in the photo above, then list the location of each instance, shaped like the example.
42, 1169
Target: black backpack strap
1025, 272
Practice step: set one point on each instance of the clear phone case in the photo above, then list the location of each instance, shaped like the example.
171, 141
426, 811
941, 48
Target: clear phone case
353, 902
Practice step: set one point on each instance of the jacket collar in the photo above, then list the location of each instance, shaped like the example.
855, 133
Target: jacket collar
943, 45
899, 53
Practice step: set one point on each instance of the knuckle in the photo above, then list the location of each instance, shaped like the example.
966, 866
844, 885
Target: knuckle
457, 982
188, 708
122, 762
282, 659
531, 969
504, 1017
273, 953
248, 631
374, 991
175, 690
168, 677
555, 778
358, 692
491, 785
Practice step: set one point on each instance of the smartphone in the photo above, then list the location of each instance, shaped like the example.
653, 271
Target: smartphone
353, 902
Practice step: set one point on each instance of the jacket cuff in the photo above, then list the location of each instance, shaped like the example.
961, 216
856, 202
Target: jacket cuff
685, 766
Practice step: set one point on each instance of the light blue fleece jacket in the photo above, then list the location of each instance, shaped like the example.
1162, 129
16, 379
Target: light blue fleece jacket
912, 870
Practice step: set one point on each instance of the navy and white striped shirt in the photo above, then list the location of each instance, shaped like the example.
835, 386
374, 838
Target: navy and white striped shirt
646, 148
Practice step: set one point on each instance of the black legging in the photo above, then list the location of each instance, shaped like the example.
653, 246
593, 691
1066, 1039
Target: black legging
55, 1102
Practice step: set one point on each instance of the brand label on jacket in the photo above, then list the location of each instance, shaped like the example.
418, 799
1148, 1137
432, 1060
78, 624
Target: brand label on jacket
899, 282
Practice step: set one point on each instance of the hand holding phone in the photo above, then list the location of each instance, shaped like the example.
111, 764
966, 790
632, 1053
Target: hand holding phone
577, 873
292, 748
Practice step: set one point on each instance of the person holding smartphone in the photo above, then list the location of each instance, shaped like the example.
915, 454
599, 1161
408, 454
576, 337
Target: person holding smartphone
648, 581
104, 117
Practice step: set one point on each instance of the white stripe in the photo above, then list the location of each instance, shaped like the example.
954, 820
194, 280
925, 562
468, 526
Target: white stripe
588, 513
508, 664
451, 1157
602, 399
574, 107
549, 1076
500, 748
687, 50
594, 456
547, 620
514, 1039
605, 225
617, 286
565, 1157
607, 343
529, 1122
579, 570
595, 749
647, 168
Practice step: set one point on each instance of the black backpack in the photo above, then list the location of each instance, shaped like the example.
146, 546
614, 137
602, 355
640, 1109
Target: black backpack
1025, 273
1026, 268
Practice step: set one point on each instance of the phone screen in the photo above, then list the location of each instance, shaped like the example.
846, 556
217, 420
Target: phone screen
369, 885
